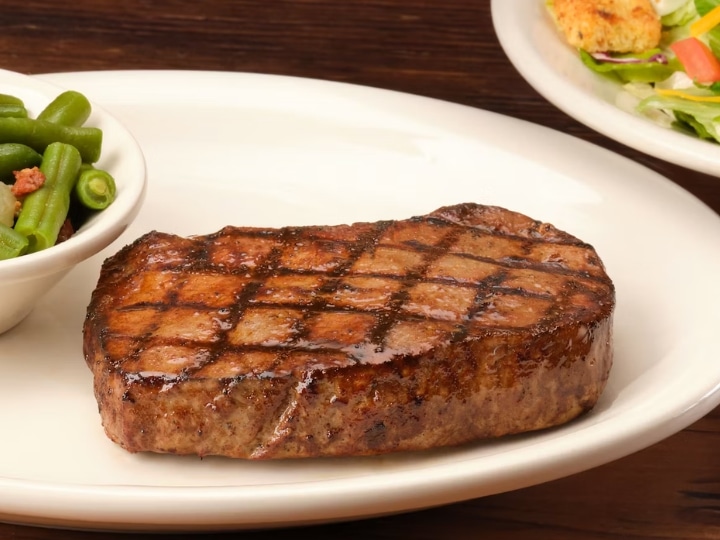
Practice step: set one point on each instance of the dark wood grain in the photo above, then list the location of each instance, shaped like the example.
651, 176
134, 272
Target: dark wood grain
443, 49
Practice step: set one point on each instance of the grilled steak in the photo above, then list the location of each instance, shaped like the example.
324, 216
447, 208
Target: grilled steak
467, 323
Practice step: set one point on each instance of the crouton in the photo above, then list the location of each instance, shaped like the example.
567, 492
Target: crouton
621, 26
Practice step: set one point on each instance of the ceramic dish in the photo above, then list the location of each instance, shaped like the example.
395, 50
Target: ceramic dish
25, 279
251, 149
532, 43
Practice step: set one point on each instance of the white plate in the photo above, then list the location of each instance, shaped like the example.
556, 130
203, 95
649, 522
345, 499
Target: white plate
251, 149
533, 44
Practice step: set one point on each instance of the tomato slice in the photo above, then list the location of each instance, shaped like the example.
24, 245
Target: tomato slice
699, 62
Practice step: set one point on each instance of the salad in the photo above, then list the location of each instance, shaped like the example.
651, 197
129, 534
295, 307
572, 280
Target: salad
678, 83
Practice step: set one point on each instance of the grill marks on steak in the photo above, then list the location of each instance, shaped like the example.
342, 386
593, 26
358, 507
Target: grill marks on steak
470, 322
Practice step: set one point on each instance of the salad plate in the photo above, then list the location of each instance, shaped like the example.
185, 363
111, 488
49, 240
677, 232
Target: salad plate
244, 149
541, 55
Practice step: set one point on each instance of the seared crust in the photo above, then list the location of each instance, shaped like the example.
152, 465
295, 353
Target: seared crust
468, 323
620, 26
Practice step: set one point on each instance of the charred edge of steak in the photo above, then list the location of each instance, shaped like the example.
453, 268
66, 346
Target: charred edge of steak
470, 322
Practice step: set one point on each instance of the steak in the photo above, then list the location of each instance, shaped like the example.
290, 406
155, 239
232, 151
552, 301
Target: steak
467, 323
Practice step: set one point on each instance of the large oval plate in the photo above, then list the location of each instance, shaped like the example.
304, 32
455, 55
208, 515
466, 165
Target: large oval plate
261, 150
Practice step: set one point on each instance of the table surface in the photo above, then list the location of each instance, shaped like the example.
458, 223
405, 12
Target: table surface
446, 50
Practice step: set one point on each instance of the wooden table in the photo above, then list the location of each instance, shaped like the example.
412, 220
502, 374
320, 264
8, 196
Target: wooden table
443, 49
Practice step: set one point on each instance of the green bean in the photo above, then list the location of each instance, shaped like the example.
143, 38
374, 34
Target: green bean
38, 134
44, 211
70, 108
12, 243
95, 188
11, 100
13, 111
12, 106
13, 157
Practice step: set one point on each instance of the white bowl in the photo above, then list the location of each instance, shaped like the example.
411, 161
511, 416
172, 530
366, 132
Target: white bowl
24, 280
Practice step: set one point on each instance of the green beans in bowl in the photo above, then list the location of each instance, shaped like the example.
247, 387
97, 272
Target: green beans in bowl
72, 178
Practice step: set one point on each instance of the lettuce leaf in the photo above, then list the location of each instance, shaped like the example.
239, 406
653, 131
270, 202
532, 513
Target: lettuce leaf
681, 16
644, 69
702, 118
687, 122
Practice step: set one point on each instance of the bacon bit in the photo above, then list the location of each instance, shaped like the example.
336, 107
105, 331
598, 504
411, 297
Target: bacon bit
66, 231
27, 181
